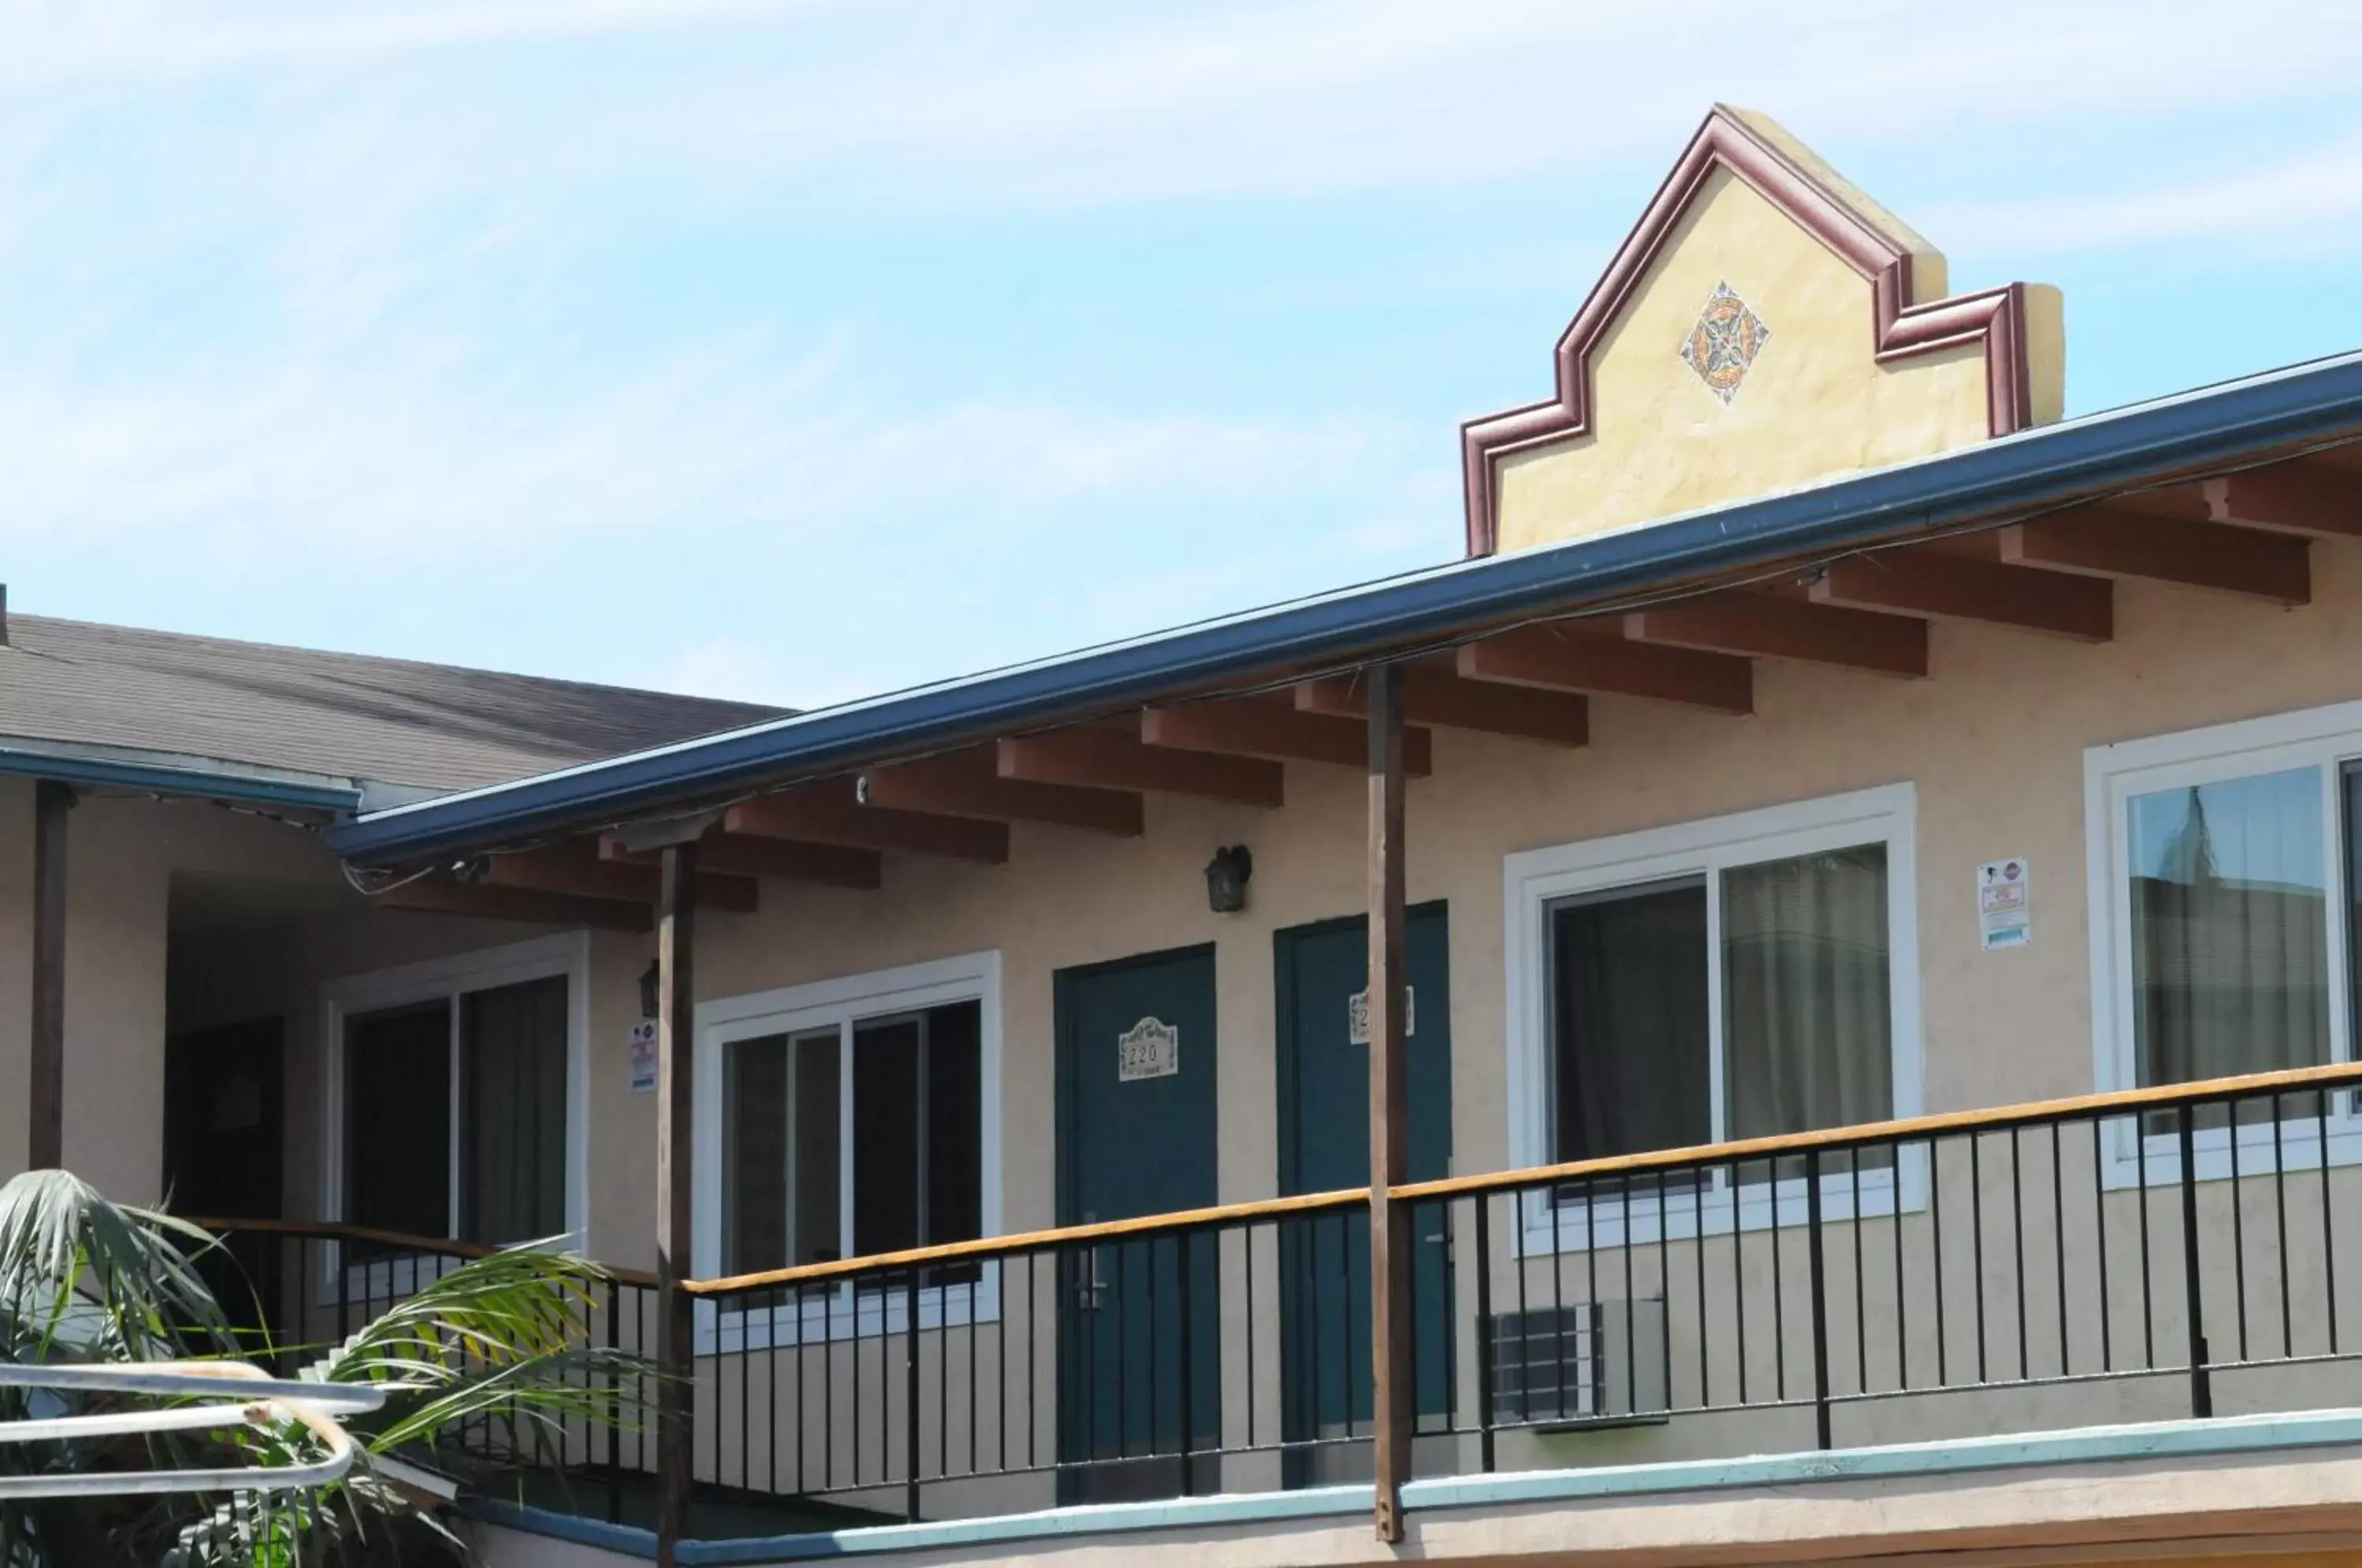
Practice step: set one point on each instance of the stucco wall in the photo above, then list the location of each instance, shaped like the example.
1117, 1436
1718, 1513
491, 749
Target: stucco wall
131, 980
1816, 402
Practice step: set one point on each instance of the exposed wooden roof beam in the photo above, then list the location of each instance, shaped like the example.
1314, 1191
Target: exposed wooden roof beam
566, 868
1953, 587
829, 813
478, 900
969, 784
1572, 658
1107, 760
1438, 697
1274, 728
829, 864
2293, 497
2107, 541
1762, 625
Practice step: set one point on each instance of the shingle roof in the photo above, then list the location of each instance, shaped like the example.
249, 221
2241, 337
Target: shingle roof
384, 720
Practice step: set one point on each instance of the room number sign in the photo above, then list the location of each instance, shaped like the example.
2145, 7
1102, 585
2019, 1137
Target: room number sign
1149, 1049
1357, 1016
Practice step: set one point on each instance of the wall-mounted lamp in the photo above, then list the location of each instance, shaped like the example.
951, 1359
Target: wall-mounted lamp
649, 980
1226, 878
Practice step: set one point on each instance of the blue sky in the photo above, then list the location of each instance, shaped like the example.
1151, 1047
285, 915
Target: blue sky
801, 350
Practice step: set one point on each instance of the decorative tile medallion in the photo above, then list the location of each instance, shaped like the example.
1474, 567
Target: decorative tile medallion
1725, 342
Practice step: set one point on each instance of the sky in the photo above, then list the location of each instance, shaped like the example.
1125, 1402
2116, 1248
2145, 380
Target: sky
802, 349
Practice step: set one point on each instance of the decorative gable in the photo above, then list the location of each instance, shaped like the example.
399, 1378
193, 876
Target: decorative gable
1765, 327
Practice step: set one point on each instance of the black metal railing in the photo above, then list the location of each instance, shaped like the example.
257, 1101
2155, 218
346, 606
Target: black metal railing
294, 1289
1942, 1276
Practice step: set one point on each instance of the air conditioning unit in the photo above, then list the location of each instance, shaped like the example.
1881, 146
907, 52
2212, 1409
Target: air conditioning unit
1580, 1363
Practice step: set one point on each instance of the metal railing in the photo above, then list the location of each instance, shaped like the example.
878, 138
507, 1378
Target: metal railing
1942, 1276
2143, 1255
296, 1288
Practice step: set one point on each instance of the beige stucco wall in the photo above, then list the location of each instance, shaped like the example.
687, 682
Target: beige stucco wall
1816, 403
130, 984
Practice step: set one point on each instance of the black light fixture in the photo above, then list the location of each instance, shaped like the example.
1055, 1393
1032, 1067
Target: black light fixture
650, 978
1226, 878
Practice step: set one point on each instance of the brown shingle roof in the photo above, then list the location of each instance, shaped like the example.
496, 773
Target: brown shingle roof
384, 720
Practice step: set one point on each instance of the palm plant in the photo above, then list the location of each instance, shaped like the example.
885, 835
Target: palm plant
493, 1349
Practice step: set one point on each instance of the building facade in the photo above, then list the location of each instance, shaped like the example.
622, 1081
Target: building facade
1842, 809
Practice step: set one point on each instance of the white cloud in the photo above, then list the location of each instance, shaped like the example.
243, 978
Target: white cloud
2310, 203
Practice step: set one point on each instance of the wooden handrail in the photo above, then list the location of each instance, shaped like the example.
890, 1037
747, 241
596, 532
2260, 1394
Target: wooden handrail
2115, 1102
1907, 1129
339, 1230
986, 1247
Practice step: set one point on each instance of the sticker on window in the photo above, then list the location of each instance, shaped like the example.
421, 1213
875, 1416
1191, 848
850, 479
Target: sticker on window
1149, 1049
1357, 1015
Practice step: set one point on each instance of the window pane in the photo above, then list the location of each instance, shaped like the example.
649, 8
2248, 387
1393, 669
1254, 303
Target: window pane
1629, 1025
2230, 943
818, 1154
512, 1113
955, 1152
755, 1138
1807, 1025
780, 1151
886, 1106
398, 1119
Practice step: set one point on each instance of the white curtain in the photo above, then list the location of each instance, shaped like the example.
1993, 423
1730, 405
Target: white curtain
1807, 1024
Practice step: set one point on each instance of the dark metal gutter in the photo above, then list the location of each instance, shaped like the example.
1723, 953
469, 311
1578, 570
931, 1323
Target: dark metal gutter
69, 765
2102, 453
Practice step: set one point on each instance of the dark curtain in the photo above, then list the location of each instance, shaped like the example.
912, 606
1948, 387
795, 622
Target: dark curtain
1630, 1047
398, 1119
512, 1113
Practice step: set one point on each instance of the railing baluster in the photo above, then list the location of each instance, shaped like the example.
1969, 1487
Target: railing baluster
2238, 1225
2059, 1242
910, 1361
2328, 1239
1484, 1226
2202, 1391
1188, 1346
2279, 1223
2100, 1222
1819, 1294
1977, 1243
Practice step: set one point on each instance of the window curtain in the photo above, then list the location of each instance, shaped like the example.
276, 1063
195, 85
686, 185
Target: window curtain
1630, 1042
398, 1119
755, 1155
512, 1112
1807, 1015
2230, 939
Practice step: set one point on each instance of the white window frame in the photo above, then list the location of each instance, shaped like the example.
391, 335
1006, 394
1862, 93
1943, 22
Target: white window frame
1534, 880
839, 1003
2322, 738
448, 979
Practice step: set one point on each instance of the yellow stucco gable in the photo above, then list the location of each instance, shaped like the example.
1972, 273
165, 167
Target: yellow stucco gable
1765, 327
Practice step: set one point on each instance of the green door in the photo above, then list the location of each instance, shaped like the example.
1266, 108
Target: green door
1324, 1129
1140, 1340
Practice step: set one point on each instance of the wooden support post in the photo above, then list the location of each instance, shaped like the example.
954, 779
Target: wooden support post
46, 1090
1394, 1395
676, 1021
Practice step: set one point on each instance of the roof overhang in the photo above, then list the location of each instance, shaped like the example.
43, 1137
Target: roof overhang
145, 772
2016, 476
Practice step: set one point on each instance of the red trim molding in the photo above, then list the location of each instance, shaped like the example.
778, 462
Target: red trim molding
1899, 329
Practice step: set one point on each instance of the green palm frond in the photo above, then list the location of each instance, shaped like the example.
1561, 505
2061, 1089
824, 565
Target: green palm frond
497, 1346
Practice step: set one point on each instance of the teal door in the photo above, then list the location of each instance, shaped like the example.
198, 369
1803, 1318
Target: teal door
1139, 1340
1324, 1131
